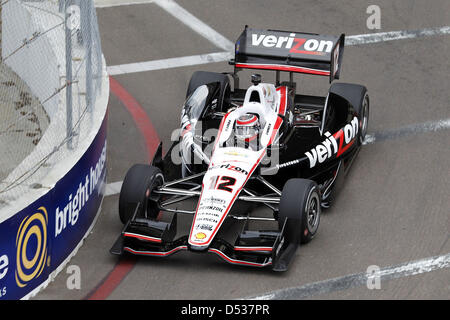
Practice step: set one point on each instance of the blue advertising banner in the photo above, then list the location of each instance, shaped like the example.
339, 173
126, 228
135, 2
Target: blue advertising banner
35, 241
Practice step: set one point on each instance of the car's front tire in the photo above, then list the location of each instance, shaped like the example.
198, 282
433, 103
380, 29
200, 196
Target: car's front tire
137, 187
300, 209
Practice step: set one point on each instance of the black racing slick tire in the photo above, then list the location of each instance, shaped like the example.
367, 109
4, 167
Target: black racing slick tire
364, 118
200, 78
299, 210
137, 187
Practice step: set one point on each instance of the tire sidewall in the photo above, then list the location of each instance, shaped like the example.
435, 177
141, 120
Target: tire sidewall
364, 114
309, 231
295, 200
137, 187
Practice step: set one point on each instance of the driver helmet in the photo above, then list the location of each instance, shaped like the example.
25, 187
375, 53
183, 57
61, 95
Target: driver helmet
247, 127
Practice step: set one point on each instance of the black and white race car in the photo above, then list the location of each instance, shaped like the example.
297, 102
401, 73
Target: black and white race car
252, 168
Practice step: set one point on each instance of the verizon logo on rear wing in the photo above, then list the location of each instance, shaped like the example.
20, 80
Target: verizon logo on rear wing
293, 43
290, 51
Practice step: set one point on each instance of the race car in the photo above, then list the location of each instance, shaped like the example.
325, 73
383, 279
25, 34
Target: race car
251, 169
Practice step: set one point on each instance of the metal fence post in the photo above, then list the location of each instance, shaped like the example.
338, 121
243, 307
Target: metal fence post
68, 37
88, 41
1, 44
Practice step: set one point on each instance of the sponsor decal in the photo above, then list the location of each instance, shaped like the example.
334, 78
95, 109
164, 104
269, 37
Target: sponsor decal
214, 200
230, 167
4, 263
210, 214
212, 220
200, 236
4, 266
68, 216
210, 208
30, 249
228, 124
31, 241
204, 226
269, 126
336, 60
294, 44
235, 153
334, 144
226, 183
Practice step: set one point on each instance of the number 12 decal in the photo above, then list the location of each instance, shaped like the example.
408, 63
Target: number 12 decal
225, 183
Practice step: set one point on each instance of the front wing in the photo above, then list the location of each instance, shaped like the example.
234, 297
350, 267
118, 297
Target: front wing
147, 237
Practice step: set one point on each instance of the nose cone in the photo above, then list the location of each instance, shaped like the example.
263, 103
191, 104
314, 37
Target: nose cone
198, 236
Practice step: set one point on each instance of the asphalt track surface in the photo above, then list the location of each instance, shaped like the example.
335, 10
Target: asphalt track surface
395, 206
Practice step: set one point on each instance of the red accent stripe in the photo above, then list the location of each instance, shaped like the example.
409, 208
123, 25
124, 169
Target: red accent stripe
244, 122
340, 135
275, 130
141, 237
283, 100
252, 249
155, 253
145, 126
283, 68
112, 280
223, 256
281, 111
342, 150
186, 130
251, 138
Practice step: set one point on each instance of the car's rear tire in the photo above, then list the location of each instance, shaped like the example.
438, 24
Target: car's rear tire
300, 208
137, 187
364, 118
200, 78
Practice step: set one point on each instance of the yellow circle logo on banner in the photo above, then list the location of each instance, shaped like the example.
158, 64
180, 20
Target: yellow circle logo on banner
31, 244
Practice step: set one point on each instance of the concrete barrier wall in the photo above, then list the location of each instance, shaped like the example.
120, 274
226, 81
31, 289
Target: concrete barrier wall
36, 242
43, 229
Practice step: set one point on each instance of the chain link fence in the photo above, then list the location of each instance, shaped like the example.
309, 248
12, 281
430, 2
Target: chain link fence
51, 72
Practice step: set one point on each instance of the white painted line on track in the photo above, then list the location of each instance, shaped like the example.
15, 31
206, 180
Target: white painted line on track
395, 35
359, 279
113, 188
195, 24
183, 16
118, 3
360, 39
169, 63
429, 126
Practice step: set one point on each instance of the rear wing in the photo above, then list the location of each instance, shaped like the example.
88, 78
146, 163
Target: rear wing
290, 51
